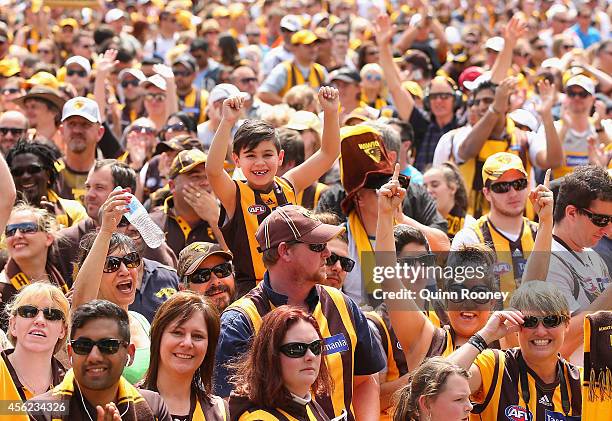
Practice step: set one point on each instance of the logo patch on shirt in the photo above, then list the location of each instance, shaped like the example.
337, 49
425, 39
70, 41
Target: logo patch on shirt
501, 267
544, 401
517, 413
334, 344
256, 209
557, 416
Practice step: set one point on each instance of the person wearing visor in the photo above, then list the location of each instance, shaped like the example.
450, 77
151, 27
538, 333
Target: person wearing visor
206, 269
294, 246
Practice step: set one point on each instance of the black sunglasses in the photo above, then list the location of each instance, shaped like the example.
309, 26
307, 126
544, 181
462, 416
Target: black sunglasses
428, 259
504, 186
475, 291
597, 219
581, 94
81, 73
7, 91
485, 101
113, 263
317, 248
246, 80
182, 73
30, 169
108, 346
440, 95
174, 127
142, 129
24, 228
298, 349
201, 276
51, 314
156, 97
15, 131
346, 264
131, 82
550, 321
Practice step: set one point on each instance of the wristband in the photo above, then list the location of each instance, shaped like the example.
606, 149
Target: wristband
478, 342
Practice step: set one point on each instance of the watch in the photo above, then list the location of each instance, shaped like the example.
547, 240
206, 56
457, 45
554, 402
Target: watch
493, 110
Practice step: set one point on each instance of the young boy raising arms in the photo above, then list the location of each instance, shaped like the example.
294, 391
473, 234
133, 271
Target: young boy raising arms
256, 151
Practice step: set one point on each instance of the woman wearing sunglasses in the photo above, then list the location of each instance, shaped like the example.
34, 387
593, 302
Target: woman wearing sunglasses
281, 369
37, 329
108, 267
30, 235
139, 140
184, 337
374, 91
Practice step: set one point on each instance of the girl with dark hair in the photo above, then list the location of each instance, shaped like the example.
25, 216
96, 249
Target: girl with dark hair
184, 338
108, 268
281, 368
228, 46
179, 123
445, 184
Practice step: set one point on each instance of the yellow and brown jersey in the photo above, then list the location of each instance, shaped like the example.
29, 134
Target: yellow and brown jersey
252, 207
71, 183
513, 391
316, 76
194, 104
456, 221
309, 198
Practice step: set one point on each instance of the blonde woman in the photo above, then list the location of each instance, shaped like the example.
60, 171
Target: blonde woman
373, 88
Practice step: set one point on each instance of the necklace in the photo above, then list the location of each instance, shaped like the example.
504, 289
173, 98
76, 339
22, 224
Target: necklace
85, 406
26, 384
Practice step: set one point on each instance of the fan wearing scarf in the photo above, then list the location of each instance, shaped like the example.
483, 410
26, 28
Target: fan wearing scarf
93, 389
30, 235
597, 384
364, 167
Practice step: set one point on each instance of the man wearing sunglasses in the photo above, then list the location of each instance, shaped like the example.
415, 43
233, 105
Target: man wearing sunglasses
206, 269
246, 80
504, 228
192, 100
294, 246
99, 349
582, 218
13, 126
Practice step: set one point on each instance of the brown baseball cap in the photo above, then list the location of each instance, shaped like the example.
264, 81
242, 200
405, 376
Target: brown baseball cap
178, 143
192, 256
293, 223
186, 161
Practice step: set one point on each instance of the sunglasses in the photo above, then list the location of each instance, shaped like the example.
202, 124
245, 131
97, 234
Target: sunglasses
298, 349
504, 186
108, 346
30, 169
131, 82
374, 77
519, 54
24, 228
428, 259
373, 53
581, 94
44, 51
253, 34
80, 73
540, 47
145, 130
113, 263
15, 131
201, 276
156, 97
177, 127
440, 95
346, 264
567, 46
550, 321
597, 219
182, 73
317, 248
8, 91
246, 80
474, 292
485, 101
51, 314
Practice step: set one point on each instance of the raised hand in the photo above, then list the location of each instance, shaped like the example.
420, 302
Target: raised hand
113, 209
391, 194
500, 324
547, 97
383, 29
232, 107
600, 112
597, 153
329, 99
502, 93
515, 29
107, 62
47, 205
542, 200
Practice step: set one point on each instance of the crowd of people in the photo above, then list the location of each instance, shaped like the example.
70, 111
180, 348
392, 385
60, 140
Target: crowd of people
306, 210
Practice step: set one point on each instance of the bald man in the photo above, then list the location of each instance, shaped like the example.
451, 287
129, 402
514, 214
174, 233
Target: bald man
13, 126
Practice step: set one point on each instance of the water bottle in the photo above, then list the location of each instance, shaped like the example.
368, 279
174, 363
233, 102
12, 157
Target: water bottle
138, 216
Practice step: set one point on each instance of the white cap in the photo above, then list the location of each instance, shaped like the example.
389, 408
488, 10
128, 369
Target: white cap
584, 82
155, 80
555, 9
81, 61
524, 118
113, 15
553, 62
318, 18
82, 107
137, 73
495, 44
291, 23
471, 85
222, 91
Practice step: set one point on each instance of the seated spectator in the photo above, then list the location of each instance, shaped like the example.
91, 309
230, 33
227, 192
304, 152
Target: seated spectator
288, 348
184, 337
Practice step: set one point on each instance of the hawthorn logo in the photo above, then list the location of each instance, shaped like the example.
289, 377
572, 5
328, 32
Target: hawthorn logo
372, 149
79, 104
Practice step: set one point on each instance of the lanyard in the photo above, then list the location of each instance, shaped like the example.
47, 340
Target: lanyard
524, 381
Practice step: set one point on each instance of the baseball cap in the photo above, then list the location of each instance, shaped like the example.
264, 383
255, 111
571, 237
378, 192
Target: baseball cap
495, 44
210, 25
81, 61
137, 73
583, 81
554, 63
9, 67
222, 91
155, 80
361, 114
469, 75
305, 120
524, 118
457, 53
186, 160
178, 143
113, 15
220, 12
291, 23
192, 256
186, 60
497, 164
471, 85
304, 37
293, 223
69, 22
82, 107
345, 74
43, 79
414, 88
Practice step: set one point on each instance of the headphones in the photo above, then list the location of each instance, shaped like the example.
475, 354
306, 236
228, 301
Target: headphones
458, 96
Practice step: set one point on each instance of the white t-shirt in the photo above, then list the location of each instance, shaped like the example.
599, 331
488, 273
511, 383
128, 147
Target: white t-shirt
574, 144
449, 144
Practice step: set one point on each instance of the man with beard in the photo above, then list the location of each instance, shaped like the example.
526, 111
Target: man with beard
504, 228
33, 169
206, 269
295, 251
82, 130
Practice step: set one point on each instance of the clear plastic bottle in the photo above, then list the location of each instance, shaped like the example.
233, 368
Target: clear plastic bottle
138, 216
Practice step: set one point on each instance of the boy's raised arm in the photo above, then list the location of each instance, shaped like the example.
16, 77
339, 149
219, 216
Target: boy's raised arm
321, 161
220, 181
